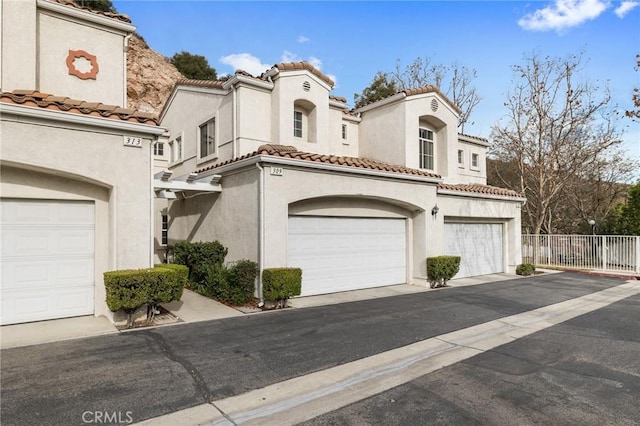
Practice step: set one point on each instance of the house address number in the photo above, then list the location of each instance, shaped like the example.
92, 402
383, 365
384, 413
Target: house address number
131, 141
277, 171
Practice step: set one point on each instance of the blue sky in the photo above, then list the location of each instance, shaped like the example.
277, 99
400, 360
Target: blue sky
352, 40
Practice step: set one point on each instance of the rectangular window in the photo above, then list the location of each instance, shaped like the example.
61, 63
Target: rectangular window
344, 131
460, 158
158, 148
208, 138
425, 138
297, 124
475, 161
165, 230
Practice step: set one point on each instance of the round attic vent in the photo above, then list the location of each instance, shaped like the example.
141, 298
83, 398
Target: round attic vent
434, 105
306, 86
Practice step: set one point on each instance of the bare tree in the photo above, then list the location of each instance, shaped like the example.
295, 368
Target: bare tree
455, 81
557, 129
634, 112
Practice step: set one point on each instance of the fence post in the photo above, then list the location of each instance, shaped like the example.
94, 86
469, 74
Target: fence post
637, 255
536, 250
604, 253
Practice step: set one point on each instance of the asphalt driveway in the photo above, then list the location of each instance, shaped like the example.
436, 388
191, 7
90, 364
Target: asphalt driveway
147, 373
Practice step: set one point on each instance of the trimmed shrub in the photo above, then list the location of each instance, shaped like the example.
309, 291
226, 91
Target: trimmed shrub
279, 284
130, 289
525, 269
198, 256
441, 269
242, 280
181, 279
232, 284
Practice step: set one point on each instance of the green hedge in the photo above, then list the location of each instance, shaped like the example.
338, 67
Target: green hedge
182, 278
441, 269
198, 257
130, 289
234, 284
525, 269
279, 284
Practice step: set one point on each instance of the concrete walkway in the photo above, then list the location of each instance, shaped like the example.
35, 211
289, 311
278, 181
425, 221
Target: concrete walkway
194, 308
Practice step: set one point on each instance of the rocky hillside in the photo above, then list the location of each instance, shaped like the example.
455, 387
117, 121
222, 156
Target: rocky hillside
150, 77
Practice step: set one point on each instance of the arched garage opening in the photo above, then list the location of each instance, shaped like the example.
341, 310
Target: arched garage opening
350, 243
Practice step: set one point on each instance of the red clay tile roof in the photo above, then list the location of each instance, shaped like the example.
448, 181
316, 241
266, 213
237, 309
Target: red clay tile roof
480, 189
481, 139
431, 89
286, 151
338, 98
36, 99
214, 84
304, 65
117, 16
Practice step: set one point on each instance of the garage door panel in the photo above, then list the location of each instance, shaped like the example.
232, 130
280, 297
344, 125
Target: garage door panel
25, 306
480, 246
338, 254
47, 259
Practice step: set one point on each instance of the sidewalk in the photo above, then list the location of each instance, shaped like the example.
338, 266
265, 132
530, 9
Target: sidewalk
194, 308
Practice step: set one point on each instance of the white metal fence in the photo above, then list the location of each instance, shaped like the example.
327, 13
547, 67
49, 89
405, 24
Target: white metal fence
594, 252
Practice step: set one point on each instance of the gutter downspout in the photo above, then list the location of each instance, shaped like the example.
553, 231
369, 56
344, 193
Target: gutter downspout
234, 113
260, 233
152, 205
124, 57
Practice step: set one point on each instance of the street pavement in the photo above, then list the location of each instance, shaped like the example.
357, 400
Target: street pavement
143, 374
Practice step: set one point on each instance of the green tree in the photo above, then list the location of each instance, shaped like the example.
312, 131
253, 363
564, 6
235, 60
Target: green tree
193, 66
99, 5
381, 87
628, 222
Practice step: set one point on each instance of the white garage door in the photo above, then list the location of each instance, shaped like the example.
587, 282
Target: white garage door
479, 245
339, 254
47, 259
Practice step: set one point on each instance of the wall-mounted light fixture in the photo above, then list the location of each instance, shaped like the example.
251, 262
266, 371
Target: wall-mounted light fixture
435, 210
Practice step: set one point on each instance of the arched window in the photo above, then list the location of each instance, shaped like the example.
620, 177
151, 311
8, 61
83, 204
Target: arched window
304, 120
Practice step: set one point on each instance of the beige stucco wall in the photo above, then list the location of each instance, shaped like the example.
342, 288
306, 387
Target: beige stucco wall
56, 161
188, 109
231, 217
348, 195
56, 36
289, 89
382, 134
254, 119
18, 56
467, 173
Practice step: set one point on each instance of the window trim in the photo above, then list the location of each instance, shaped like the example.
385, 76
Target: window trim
298, 121
209, 156
422, 142
475, 155
461, 158
178, 141
164, 230
158, 149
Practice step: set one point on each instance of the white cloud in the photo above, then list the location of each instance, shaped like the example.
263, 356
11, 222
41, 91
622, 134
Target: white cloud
563, 14
626, 7
302, 39
289, 57
315, 62
246, 62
